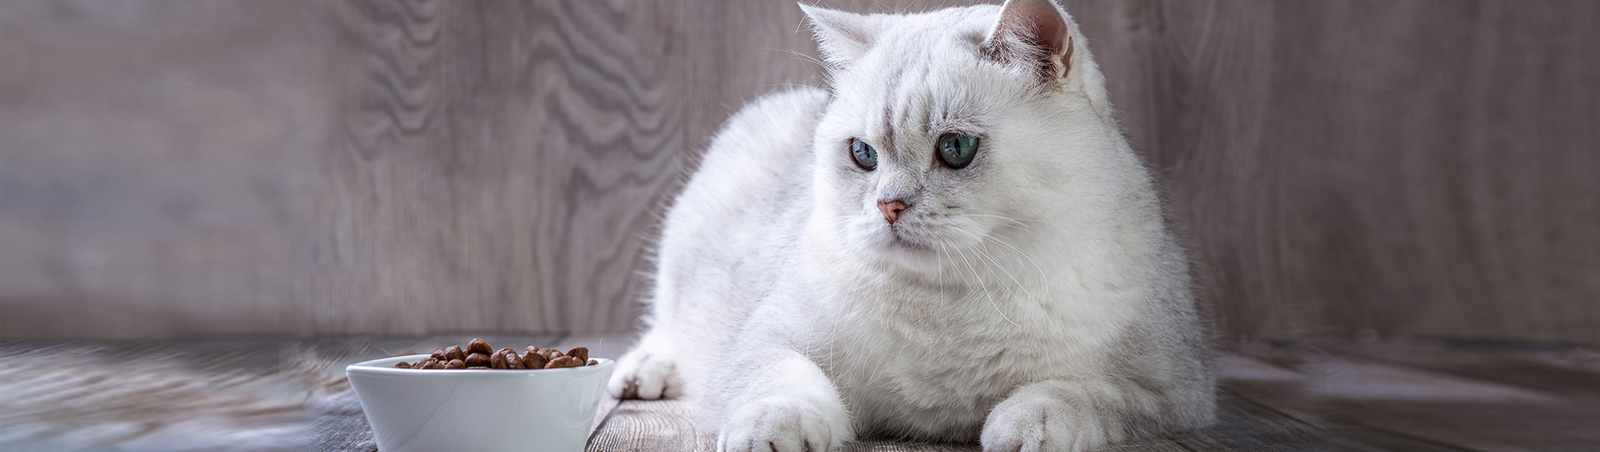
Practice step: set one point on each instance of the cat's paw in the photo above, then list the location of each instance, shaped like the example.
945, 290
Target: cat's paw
644, 374
777, 424
1039, 424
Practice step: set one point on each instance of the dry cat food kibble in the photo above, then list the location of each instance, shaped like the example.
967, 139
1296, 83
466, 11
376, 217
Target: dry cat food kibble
478, 355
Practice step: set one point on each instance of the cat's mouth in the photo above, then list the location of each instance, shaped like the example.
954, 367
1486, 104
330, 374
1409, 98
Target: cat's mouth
908, 250
900, 240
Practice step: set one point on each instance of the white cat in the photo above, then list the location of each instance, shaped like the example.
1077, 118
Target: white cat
956, 243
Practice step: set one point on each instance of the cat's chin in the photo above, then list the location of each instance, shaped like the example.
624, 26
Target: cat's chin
910, 255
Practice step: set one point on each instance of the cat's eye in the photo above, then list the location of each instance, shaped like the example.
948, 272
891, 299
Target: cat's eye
957, 150
865, 156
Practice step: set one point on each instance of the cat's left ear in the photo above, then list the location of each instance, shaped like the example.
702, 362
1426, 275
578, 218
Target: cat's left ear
841, 37
1040, 36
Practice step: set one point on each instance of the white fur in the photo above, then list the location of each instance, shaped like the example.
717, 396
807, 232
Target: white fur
1033, 300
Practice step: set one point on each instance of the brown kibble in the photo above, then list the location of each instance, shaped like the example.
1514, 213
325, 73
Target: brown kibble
582, 353
509, 353
550, 353
562, 362
478, 345
479, 355
534, 360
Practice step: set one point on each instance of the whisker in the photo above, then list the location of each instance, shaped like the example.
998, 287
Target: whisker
1002, 268
1015, 249
985, 288
940, 249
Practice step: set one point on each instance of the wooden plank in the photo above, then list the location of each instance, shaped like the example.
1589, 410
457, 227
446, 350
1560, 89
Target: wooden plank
1410, 396
668, 425
224, 395
1481, 426
640, 425
1527, 368
189, 391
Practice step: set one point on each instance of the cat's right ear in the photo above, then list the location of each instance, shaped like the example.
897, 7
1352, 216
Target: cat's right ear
841, 37
1033, 34
1039, 35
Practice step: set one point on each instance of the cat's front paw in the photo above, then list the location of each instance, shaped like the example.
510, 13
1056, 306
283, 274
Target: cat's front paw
1039, 424
644, 374
777, 424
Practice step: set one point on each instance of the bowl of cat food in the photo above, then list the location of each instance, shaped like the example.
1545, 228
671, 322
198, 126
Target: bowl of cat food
480, 399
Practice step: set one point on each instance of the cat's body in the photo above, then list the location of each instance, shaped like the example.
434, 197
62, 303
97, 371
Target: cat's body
1029, 296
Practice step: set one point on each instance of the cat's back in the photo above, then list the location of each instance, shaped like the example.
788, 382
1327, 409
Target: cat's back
761, 149
755, 169
743, 206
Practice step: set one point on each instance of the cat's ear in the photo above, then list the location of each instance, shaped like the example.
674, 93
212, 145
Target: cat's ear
1040, 36
1032, 34
841, 37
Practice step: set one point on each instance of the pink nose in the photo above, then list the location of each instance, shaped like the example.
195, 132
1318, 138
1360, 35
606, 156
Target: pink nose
891, 209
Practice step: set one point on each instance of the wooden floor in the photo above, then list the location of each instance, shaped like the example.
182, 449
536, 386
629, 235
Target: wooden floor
270, 395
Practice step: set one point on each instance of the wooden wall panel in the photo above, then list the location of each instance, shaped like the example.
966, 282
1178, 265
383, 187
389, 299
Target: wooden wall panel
1352, 168
499, 165
157, 165
1382, 168
332, 167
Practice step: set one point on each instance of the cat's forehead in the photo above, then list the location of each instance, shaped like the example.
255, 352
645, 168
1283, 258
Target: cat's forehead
945, 34
924, 72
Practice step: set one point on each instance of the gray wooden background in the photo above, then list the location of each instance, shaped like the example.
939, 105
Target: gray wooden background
1359, 169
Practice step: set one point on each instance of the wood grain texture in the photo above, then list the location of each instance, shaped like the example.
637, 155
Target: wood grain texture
283, 394
1383, 168
333, 167
157, 167
1356, 168
499, 165
1447, 396
667, 425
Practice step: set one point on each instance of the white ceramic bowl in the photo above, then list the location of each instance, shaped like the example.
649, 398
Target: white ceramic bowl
478, 410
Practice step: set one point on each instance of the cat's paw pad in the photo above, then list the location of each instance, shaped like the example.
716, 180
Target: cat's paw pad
778, 424
1039, 425
642, 374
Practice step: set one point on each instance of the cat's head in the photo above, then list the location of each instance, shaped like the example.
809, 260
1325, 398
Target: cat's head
957, 135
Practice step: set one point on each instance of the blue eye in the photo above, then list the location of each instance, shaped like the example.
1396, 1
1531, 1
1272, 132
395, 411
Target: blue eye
956, 150
865, 156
